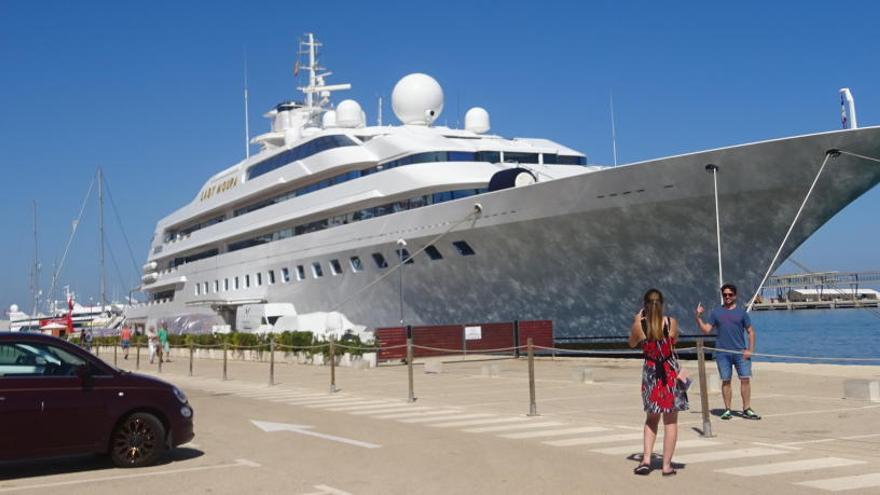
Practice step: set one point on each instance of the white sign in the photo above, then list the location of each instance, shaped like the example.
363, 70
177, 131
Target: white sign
473, 333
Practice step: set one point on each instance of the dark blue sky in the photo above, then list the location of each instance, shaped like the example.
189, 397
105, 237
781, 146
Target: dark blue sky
152, 92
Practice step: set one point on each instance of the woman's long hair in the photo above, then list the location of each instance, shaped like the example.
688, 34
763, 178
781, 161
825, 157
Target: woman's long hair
653, 313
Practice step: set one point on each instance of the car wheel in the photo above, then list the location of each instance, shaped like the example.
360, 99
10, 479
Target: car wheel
137, 441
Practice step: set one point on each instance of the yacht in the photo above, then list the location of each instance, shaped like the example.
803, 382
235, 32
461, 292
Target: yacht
364, 226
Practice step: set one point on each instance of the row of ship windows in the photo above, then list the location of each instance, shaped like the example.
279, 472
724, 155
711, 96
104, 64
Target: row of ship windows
433, 156
345, 218
317, 269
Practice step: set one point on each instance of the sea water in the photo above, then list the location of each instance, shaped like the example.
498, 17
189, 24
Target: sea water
812, 333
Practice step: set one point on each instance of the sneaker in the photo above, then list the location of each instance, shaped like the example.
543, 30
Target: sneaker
726, 414
748, 413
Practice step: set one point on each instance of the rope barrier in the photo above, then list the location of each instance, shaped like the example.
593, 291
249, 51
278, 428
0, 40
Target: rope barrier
367, 349
784, 356
300, 347
473, 351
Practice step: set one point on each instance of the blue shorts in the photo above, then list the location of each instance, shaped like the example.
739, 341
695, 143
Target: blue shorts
726, 361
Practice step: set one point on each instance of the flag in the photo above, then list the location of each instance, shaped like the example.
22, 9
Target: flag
296, 68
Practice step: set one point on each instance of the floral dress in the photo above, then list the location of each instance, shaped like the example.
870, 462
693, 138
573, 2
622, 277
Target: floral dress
662, 392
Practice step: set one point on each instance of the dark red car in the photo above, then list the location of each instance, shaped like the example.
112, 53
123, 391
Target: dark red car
57, 399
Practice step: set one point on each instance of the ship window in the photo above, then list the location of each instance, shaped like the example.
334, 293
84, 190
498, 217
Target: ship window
489, 156
403, 255
463, 248
570, 160
300, 272
285, 275
380, 260
259, 279
216, 286
247, 281
225, 284
298, 153
511, 157
206, 287
336, 267
198, 289
433, 252
317, 271
271, 277
356, 264
236, 282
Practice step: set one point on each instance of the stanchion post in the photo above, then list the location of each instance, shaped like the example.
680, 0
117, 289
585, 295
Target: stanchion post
137, 355
516, 352
225, 351
409, 368
272, 360
115, 345
332, 365
191, 353
161, 358
704, 390
533, 407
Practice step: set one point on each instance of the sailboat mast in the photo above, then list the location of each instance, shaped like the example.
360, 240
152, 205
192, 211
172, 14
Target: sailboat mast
35, 270
101, 232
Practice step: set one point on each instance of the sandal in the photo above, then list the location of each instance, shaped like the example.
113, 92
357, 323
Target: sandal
748, 413
726, 414
642, 470
670, 473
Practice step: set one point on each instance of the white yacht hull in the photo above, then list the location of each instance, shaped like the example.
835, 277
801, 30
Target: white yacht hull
579, 250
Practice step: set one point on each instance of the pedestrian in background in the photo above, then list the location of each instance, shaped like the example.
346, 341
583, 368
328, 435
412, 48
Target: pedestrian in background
152, 342
663, 394
733, 325
125, 337
163, 341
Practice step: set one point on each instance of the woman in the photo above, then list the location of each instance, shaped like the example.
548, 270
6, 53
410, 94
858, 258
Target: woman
662, 393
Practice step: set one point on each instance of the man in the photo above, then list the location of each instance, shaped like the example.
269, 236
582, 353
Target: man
163, 343
152, 343
733, 324
125, 336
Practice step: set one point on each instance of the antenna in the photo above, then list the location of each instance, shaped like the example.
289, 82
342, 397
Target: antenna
101, 230
247, 132
847, 109
613, 131
379, 115
35, 271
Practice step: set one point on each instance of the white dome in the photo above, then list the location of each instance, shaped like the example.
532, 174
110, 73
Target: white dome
328, 119
348, 114
477, 120
13, 308
417, 99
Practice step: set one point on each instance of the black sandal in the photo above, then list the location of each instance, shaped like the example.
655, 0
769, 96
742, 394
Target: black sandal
670, 473
642, 470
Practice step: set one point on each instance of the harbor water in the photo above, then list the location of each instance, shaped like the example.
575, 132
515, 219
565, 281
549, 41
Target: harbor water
851, 333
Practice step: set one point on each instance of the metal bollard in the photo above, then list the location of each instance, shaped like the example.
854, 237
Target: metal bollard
191, 352
332, 365
533, 407
225, 349
409, 370
161, 358
704, 390
137, 356
115, 345
98, 350
271, 360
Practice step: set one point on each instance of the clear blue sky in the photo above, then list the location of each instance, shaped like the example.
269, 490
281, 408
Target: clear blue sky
152, 92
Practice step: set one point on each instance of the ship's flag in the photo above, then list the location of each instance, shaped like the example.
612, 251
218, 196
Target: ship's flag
296, 68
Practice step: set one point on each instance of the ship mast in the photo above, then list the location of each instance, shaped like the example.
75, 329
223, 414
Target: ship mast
35, 270
316, 79
101, 233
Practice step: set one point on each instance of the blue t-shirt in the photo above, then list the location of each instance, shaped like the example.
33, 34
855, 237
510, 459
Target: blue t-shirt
731, 325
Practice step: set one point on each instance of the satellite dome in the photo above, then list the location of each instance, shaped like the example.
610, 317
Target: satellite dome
13, 308
476, 120
328, 119
348, 114
417, 99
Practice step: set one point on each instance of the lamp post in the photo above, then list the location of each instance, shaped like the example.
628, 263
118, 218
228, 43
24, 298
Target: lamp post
400, 245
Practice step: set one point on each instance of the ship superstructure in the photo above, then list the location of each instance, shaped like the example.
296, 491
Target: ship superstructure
483, 227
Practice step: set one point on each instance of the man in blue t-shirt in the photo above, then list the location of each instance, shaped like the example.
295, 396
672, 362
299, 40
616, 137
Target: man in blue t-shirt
733, 324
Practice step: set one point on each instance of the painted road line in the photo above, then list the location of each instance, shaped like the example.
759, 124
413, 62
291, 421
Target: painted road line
836, 439
487, 429
637, 449
284, 396
237, 463
270, 427
790, 467
324, 399
327, 490
555, 433
419, 414
390, 410
845, 483
366, 403
350, 401
475, 422
379, 404
444, 418
569, 442
724, 455
300, 396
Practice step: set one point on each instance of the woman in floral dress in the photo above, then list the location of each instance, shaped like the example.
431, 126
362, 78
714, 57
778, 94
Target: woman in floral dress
663, 394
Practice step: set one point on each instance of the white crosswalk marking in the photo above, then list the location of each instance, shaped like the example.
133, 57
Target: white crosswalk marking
486, 429
442, 412
346, 401
383, 404
444, 418
326, 399
298, 396
845, 483
474, 422
400, 408
658, 447
568, 442
724, 455
555, 433
790, 467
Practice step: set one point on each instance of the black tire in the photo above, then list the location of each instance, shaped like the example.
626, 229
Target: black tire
139, 440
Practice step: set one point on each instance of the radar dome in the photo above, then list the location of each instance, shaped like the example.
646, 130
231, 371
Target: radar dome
13, 308
328, 119
348, 114
417, 99
477, 120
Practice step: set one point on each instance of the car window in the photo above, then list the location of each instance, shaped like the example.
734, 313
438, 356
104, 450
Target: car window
37, 359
